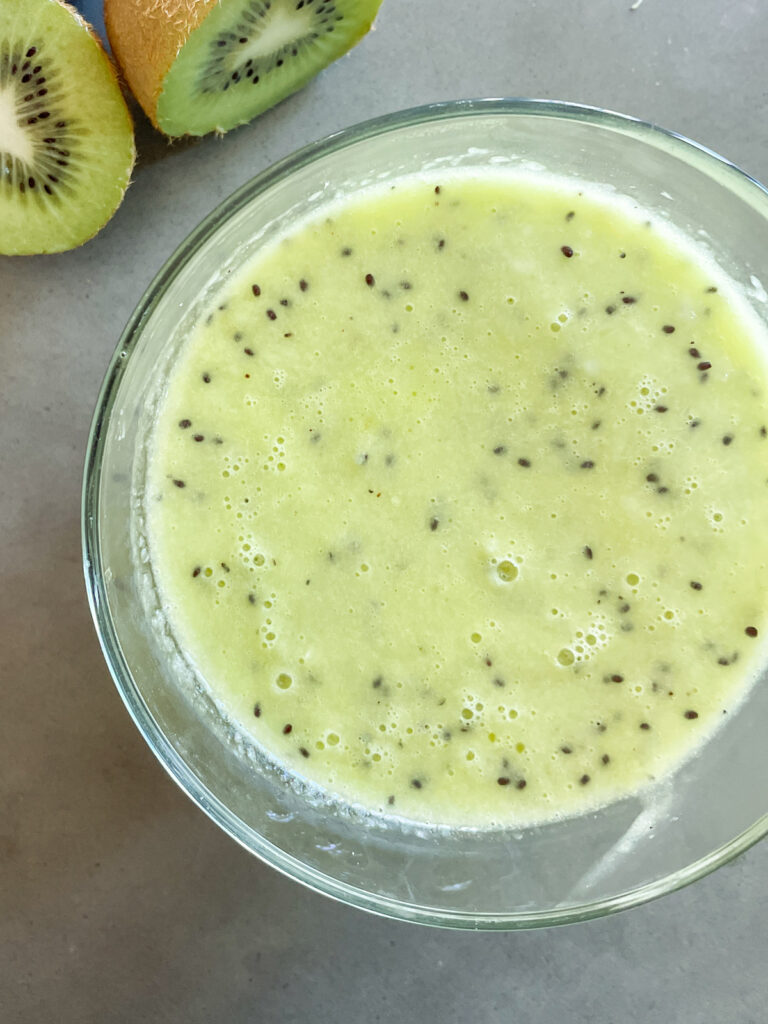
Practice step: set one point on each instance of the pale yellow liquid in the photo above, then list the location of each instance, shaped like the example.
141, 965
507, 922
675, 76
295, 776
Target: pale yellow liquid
460, 524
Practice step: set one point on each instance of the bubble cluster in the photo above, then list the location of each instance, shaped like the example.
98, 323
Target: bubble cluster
648, 396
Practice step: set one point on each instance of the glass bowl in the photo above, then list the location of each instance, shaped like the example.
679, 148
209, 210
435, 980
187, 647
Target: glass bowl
622, 855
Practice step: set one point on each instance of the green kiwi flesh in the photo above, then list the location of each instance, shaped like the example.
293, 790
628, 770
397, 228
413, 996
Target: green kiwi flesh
66, 137
247, 55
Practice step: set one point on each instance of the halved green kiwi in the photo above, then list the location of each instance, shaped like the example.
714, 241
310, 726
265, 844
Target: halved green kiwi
66, 137
204, 66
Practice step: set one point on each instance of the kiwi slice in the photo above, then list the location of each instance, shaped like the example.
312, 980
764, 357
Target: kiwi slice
66, 137
208, 65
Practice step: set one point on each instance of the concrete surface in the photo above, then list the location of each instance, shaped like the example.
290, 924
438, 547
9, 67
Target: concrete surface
119, 901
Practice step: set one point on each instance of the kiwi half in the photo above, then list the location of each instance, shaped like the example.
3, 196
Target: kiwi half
208, 65
66, 137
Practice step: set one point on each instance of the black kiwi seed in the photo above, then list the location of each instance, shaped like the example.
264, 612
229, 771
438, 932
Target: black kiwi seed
47, 174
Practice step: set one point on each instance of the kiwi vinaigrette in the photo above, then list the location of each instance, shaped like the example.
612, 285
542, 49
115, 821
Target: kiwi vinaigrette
457, 498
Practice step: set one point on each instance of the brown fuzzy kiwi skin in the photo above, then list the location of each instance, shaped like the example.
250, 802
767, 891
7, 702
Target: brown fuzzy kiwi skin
146, 36
114, 72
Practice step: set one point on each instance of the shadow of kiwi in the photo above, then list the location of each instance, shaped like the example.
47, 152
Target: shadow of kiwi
151, 145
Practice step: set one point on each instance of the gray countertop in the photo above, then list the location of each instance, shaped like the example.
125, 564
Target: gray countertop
119, 900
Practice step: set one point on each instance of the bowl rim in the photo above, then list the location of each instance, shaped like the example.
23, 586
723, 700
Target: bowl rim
695, 154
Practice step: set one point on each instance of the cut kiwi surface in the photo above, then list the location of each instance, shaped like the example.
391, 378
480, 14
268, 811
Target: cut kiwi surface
198, 66
66, 137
